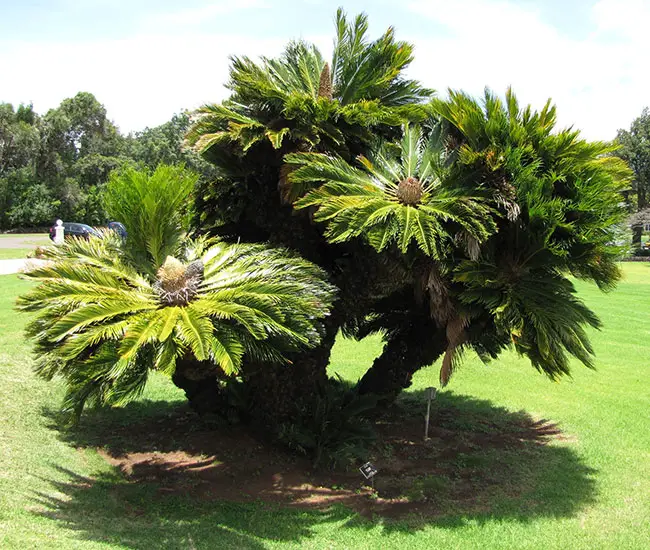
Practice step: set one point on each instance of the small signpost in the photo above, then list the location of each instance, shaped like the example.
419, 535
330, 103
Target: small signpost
431, 395
369, 471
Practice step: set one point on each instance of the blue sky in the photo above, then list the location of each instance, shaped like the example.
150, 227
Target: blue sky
145, 59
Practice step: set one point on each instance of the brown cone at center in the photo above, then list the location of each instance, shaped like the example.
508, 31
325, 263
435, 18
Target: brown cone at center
409, 191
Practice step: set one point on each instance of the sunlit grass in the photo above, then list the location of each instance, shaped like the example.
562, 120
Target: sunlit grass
16, 246
603, 415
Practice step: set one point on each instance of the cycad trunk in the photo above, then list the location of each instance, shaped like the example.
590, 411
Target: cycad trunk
275, 393
419, 345
280, 393
204, 392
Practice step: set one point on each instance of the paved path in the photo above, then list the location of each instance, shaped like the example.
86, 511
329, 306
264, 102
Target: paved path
24, 240
16, 266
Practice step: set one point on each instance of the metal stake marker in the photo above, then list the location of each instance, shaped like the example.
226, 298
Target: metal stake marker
431, 395
369, 472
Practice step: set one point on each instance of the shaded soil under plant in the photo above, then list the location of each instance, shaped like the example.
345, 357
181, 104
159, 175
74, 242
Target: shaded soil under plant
479, 459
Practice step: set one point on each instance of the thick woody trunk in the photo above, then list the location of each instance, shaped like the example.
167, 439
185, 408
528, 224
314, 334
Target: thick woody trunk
420, 345
281, 392
276, 392
203, 391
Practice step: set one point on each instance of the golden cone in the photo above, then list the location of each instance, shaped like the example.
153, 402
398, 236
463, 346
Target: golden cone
325, 85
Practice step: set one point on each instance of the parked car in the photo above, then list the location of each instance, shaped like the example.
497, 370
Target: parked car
118, 228
78, 230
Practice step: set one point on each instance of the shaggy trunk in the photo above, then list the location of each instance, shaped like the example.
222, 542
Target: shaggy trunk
277, 392
203, 391
280, 392
420, 345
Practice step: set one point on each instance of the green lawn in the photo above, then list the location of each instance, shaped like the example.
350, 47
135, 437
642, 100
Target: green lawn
14, 253
588, 489
18, 245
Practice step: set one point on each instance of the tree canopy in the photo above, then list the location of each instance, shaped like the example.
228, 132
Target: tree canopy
110, 311
635, 150
57, 165
446, 224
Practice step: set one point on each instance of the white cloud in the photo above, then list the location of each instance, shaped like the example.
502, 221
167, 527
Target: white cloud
598, 79
629, 18
198, 14
597, 82
141, 81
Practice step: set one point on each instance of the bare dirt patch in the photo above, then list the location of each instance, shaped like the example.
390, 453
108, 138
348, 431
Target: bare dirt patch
471, 459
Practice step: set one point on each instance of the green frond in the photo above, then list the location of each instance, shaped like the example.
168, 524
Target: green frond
277, 102
366, 69
227, 350
85, 316
80, 343
195, 331
143, 330
152, 207
103, 331
367, 202
411, 152
276, 137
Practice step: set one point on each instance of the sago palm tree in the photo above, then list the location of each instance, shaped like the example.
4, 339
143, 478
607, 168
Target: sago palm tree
412, 197
561, 205
104, 317
553, 208
558, 202
301, 102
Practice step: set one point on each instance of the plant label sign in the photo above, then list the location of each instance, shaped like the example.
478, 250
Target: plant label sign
368, 470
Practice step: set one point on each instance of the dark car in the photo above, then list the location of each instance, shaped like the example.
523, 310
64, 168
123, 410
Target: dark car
118, 228
78, 230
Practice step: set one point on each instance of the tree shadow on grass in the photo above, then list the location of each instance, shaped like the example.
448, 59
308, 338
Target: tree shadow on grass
179, 483
110, 509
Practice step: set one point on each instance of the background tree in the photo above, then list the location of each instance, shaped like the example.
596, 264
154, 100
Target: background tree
55, 166
80, 149
19, 150
635, 150
165, 144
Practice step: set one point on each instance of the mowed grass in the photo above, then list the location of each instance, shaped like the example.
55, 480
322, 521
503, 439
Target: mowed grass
19, 245
14, 253
594, 492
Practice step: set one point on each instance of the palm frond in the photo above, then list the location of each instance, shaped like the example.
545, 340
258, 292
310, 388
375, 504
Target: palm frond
370, 201
102, 325
152, 207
